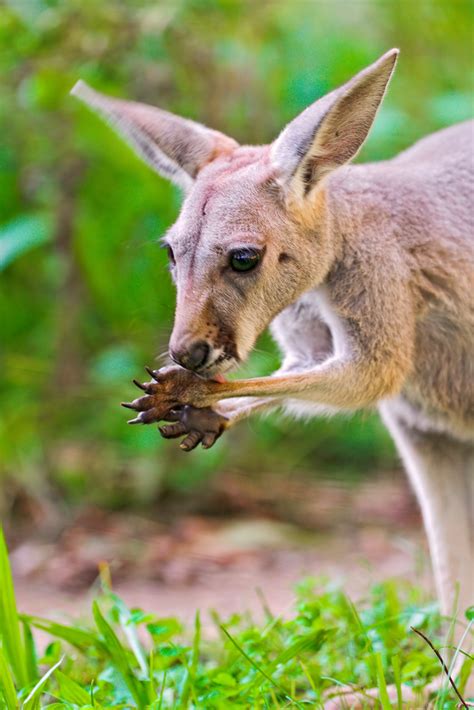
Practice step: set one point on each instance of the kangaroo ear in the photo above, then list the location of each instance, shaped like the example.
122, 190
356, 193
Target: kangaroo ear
331, 131
175, 147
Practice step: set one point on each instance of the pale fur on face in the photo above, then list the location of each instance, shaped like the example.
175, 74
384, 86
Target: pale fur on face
234, 203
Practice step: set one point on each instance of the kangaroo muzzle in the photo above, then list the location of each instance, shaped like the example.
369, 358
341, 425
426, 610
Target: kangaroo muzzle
192, 356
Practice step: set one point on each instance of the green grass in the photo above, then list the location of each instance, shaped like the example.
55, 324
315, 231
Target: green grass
127, 658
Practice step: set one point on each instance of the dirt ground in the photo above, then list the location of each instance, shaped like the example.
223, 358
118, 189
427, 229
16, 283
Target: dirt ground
262, 543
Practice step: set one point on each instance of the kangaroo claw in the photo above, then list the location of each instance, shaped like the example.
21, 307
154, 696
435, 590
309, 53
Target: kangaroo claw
209, 439
128, 405
165, 397
137, 420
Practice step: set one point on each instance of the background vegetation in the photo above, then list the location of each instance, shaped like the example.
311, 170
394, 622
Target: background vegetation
85, 297
130, 658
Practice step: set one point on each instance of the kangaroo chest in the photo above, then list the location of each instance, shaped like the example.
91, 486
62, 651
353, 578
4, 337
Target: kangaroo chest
309, 331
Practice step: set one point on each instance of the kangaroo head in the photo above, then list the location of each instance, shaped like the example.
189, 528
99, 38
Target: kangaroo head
247, 242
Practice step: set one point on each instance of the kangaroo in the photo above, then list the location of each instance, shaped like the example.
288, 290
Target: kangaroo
364, 273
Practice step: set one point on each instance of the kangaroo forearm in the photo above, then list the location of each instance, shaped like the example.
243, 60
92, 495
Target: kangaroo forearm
344, 384
241, 408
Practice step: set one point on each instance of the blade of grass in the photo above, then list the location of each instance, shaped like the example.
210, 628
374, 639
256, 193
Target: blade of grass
162, 691
183, 691
119, 657
308, 642
10, 631
465, 673
443, 664
32, 698
397, 674
30, 653
70, 691
257, 667
79, 638
308, 676
192, 668
265, 605
382, 684
312, 641
456, 653
125, 618
152, 690
196, 643
7, 686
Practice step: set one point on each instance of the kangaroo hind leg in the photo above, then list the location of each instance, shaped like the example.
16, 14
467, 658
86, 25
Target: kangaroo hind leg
441, 472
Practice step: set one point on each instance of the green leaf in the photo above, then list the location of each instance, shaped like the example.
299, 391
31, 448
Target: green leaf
309, 642
225, 679
79, 638
7, 686
10, 632
257, 667
125, 620
382, 685
192, 669
469, 613
196, 643
119, 657
70, 691
30, 652
397, 674
164, 629
21, 235
33, 697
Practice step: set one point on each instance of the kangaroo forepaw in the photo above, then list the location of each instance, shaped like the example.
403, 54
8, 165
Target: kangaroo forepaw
170, 387
198, 426
166, 398
153, 406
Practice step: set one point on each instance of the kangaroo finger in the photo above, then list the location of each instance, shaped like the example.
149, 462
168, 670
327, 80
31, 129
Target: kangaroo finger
191, 441
172, 431
152, 415
141, 404
209, 439
174, 415
148, 416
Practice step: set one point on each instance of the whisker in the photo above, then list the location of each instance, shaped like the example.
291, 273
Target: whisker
261, 352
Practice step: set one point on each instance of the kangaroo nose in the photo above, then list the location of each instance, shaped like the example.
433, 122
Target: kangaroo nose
193, 357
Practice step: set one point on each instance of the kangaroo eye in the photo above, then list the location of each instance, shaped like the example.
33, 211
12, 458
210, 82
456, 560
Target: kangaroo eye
244, 259
171, 258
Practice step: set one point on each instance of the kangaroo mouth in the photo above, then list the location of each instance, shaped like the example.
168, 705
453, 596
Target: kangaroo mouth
217, 368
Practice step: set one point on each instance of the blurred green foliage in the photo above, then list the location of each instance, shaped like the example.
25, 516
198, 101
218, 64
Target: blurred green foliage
85, 298
130, 658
